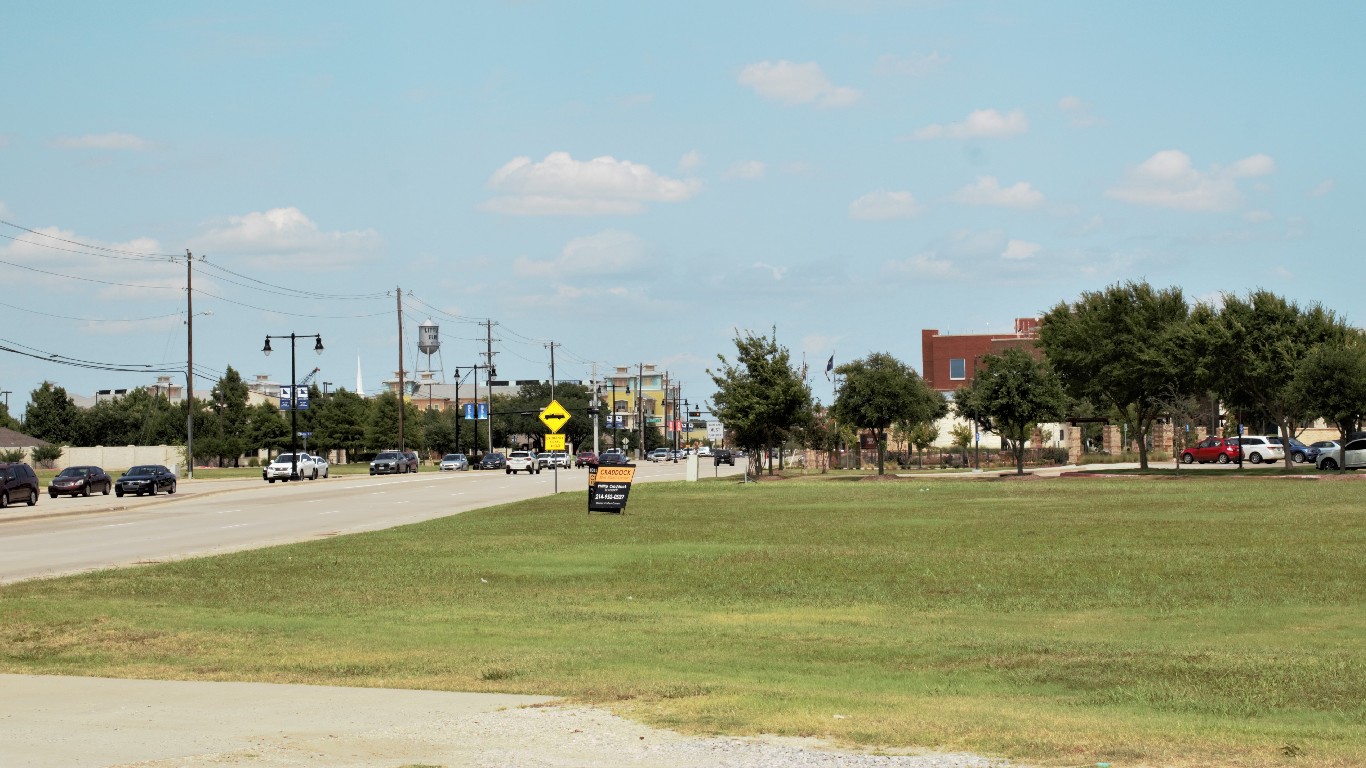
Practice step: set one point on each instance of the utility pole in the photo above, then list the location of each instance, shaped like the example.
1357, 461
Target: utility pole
552, 346
398, 294
640, 405
595, 408
189, 365
489, 372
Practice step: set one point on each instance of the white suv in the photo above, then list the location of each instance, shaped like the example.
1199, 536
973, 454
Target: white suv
282, 467
523, 460
1257, 449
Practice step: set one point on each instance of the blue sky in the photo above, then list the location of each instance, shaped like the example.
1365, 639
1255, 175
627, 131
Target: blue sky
637, 181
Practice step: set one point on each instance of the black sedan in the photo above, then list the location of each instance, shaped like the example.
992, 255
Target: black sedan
493, 461
147, 478
80, 480
612, 459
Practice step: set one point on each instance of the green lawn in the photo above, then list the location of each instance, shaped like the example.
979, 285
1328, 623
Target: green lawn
1135, 621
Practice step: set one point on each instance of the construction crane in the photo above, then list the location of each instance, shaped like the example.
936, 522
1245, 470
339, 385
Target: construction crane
309, 378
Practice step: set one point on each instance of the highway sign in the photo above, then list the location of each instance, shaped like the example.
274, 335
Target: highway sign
554, 416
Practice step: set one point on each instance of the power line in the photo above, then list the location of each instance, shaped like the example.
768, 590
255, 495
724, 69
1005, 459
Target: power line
91, 319
291, 314
88, 246
293, 292
91, 279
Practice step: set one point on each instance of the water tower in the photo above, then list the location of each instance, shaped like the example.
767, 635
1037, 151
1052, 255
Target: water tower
429, 343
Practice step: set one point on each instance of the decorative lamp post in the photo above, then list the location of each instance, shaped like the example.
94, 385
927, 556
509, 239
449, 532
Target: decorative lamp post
293, 391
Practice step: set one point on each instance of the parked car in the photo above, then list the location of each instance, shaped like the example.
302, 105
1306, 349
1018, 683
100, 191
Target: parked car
17, 481
704, 450
493, 461
282, 468
522, 461
1325, 447
721, 456
1257, 449
1299, 452
658, 454
454, 462
556, 459
585, 459
1216, 449
1348, 454
145, 478
80, 480
321, 462
612, 458
413, 461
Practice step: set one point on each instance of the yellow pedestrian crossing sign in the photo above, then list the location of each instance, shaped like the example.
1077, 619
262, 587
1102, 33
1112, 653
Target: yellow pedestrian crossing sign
554, 416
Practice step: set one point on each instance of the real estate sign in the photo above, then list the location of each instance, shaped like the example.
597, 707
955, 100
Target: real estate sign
608, 488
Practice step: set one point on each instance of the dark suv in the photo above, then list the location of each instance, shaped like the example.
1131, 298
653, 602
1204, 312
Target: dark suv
17, 481
721, 456
411, 458
389, 463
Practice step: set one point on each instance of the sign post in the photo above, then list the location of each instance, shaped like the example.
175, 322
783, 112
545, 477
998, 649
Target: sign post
554, 417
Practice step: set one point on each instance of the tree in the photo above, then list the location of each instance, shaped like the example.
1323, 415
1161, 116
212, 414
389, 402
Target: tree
339, 422
1254, 346
1011, 395
761, 397
266, 428
53, 416
228, 400
1117, 349
7, 421
381, 432
879, 391
1330, 383
922, 436
46, 454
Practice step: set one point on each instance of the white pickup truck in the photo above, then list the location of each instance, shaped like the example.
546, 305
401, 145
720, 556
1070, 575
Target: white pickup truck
523, 460
282, 468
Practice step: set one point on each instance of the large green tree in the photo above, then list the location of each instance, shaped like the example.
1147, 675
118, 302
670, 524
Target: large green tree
339, 422
1330, 383
1252, 348
381, 433
53, 416
1119, 349
1011, 395
879, 391
228, 401
761, 397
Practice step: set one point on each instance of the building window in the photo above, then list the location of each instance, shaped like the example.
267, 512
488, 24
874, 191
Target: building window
958, 368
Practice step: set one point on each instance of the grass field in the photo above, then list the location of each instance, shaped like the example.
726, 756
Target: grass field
1135, 621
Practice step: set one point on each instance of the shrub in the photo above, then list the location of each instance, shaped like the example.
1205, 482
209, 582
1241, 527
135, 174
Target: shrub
13, 454
46, 454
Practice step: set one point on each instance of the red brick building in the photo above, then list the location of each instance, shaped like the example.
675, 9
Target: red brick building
949, 360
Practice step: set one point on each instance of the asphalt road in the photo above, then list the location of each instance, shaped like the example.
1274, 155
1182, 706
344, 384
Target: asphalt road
71, 535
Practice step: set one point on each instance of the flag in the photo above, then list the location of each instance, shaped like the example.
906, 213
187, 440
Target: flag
829, 366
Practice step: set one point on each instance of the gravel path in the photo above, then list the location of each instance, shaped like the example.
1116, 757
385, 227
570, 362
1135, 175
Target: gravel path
75, 722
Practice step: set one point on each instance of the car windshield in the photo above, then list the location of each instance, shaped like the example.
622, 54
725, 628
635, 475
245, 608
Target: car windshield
141, 470
285, 457
387, 455
452, 457
74, 472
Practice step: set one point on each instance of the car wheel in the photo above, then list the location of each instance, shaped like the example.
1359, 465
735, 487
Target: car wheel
87, 490
1186, 458
119, 493
51, 494
172, 490
270, 480
106, 488
4, 500
32, 496
1297, 457
1255, 458
152, 489
1223, 458
315, 475
1328, 464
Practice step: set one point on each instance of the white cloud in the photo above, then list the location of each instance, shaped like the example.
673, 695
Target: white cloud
983, 123
788, 82
1078, 111
777, 272
610, 252
561, 185
124, 141
1323, 188
1017, 250
926, 264
988, 191
881, 206
690, 161
1256, 165
1168, 179
747, 169
909, 66
287, 231
1257, 216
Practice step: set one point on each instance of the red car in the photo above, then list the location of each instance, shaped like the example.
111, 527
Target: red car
1216, 449
585, 459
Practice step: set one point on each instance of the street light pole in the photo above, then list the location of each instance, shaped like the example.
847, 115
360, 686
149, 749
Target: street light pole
294, 394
